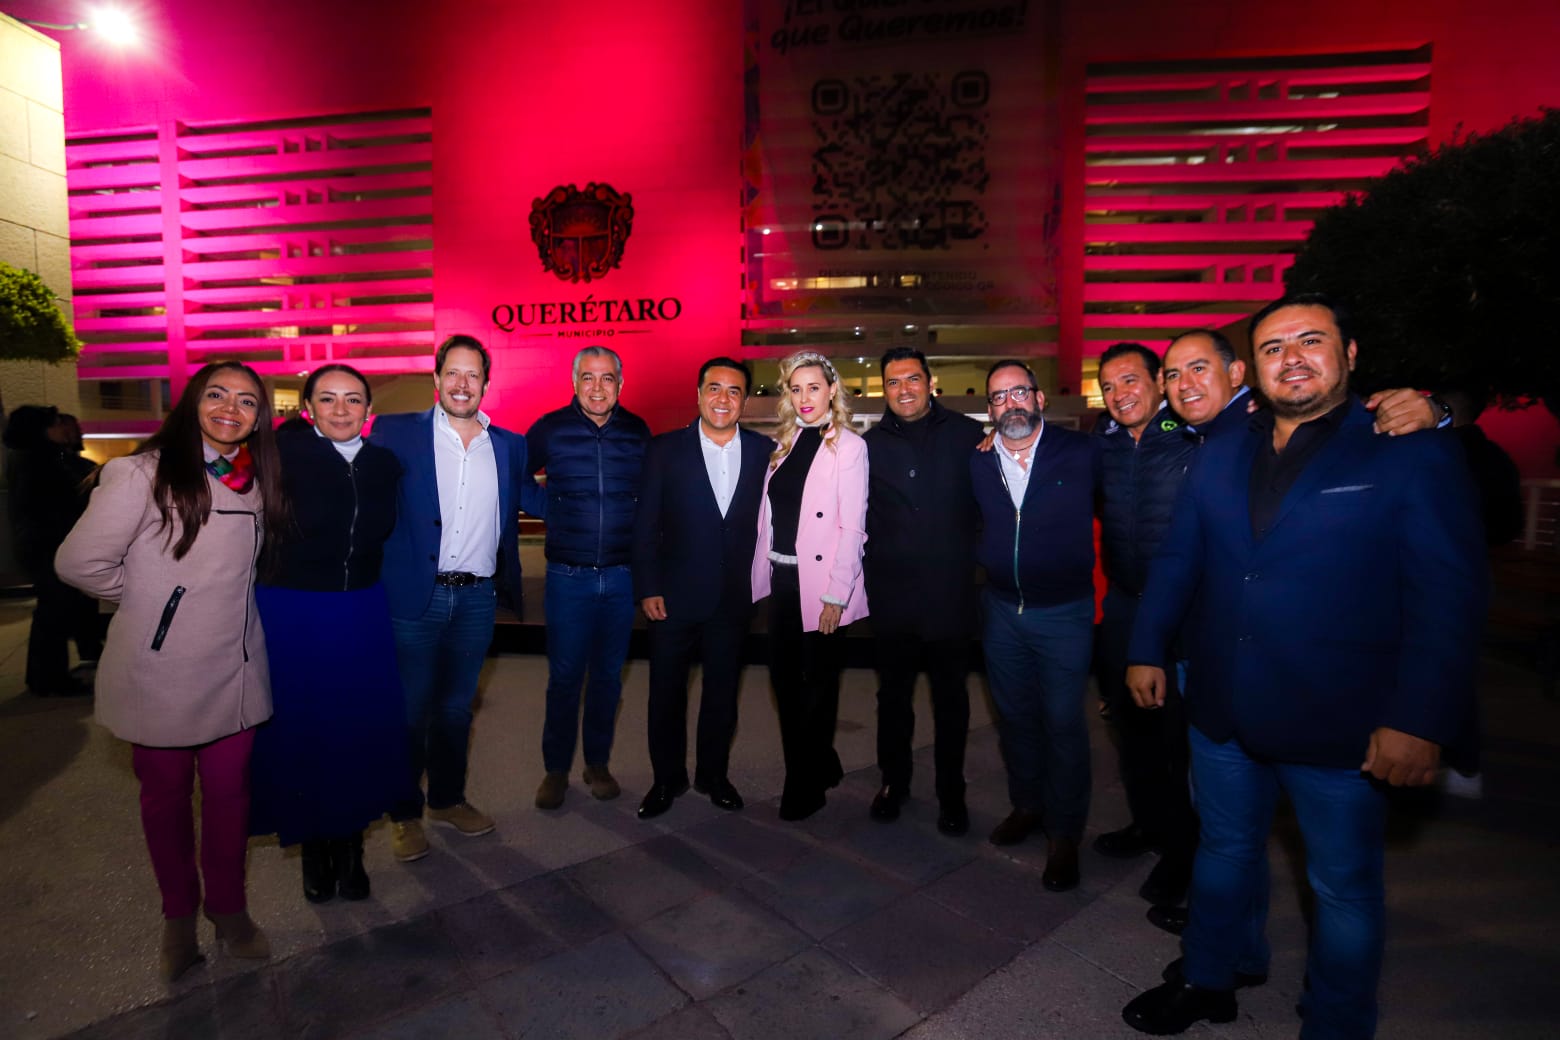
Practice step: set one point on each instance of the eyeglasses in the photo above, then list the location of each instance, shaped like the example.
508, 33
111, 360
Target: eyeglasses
1016, 394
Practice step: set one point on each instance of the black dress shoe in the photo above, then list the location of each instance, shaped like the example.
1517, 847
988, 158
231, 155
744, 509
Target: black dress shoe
1014, 829
721, 793
1127, 843
319, 877
1171, 1008
798, 805
1170, 919
659, 799
885, 804
1167, 883
347, 859
1061, 866
1243, 979
953, 818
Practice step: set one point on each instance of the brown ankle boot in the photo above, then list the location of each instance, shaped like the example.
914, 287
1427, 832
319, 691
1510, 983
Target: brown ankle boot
180, 950
240, 936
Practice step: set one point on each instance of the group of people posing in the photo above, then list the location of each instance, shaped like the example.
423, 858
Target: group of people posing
1311, 605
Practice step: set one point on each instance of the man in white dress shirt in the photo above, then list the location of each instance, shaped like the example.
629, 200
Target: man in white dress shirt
694, 537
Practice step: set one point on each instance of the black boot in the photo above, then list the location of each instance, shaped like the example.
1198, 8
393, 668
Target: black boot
351, 878
319, 876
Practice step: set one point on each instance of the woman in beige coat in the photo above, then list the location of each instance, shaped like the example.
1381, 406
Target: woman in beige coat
172, 534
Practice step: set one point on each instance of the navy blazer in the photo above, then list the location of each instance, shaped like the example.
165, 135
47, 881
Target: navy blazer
684, 550
1362, 607
412, 551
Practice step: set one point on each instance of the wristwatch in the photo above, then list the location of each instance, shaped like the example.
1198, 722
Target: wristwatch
1443, 411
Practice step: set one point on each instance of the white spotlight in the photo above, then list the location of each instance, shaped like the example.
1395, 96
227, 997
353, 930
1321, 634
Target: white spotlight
115, 26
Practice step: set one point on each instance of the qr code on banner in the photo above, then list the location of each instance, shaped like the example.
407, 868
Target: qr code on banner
900, 161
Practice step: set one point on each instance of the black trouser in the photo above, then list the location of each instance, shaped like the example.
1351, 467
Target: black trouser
900, 657
58, 615
1151, 742
674, 646
804, 668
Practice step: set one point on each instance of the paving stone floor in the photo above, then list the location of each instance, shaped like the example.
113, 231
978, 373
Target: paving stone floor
704, 925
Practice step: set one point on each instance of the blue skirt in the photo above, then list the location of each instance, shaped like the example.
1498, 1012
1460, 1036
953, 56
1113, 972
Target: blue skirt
333, 758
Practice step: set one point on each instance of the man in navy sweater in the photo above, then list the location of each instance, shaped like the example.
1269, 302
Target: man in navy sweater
593, 450
1036, 496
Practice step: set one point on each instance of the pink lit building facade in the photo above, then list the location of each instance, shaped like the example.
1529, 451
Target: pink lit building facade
297, 182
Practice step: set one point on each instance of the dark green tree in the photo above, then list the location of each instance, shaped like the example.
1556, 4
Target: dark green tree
32, 327
1451, 266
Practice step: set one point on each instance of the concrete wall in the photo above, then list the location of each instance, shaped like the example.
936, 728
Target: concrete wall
34, 214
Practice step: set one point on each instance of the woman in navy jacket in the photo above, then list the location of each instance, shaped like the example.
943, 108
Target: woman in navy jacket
333, 758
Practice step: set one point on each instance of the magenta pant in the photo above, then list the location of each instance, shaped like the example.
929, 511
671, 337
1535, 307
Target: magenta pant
167, 778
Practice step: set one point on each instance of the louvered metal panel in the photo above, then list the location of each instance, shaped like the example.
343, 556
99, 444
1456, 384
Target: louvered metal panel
1202, 177
284, 243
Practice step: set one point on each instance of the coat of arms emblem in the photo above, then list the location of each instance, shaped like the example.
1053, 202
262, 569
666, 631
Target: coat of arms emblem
580, 234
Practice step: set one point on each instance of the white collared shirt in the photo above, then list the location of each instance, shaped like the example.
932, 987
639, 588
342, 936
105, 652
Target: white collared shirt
468, 498
1014, 476
723, 465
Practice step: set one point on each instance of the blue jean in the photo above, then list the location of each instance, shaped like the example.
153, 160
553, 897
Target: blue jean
1342, 818
441, 655
590, 614
1037, 663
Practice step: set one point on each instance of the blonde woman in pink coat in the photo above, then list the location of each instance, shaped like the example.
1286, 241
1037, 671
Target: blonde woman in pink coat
172, 534
811, 529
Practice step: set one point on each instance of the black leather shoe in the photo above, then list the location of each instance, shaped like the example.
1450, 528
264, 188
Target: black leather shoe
659, 799
1243, 979
1061, 865
722, 794
1171, 1008
953, 818
885, 804
347, 860
1127, 843
1170, 919
1014, 829
798, 805
319, 879
1166, 884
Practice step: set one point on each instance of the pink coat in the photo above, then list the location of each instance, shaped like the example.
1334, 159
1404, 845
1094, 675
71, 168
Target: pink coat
831, 534
184, 663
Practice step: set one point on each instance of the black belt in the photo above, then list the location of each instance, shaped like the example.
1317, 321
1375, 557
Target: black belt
458, 578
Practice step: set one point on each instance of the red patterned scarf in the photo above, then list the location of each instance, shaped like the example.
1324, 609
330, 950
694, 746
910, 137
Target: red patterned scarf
237, 473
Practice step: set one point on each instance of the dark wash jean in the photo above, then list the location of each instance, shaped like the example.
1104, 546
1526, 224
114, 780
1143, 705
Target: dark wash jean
440, 656
1037, 662
590, 614
1342, 816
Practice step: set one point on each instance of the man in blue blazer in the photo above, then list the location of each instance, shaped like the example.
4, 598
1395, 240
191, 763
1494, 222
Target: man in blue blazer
694, 536
456, 542
1334, 584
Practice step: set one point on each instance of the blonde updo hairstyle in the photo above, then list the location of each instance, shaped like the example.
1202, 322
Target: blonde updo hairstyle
839, 405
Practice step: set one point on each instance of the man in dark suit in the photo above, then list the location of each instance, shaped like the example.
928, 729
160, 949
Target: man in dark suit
442, 578
920, 578
1332, 580
694, 536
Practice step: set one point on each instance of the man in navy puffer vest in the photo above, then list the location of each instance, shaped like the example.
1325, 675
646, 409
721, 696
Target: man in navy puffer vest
1144, 452
593, 452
